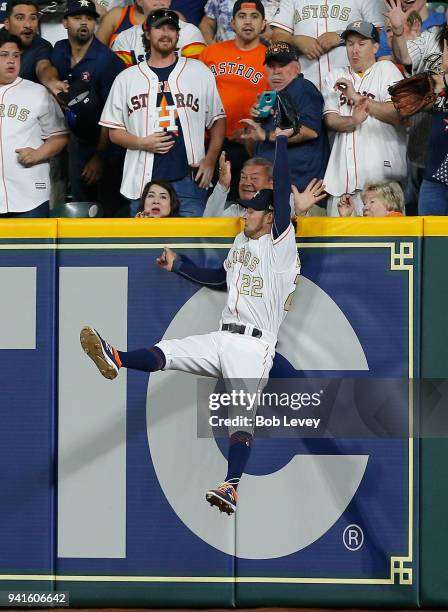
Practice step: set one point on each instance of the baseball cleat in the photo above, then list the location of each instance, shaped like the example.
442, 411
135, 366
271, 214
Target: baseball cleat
224, 496
100, 352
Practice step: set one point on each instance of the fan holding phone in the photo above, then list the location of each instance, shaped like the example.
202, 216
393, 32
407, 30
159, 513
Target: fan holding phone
291, 102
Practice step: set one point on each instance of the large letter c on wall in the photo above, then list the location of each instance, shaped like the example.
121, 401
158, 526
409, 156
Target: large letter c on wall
309, 494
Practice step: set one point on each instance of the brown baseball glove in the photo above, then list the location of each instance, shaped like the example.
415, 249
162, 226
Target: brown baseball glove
412, 95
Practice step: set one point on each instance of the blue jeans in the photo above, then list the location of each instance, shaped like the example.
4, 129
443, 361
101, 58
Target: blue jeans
192, 198
134, 206
40, 212
433, 198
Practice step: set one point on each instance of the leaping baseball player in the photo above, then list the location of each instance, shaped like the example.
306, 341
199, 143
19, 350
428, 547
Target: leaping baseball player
260, 272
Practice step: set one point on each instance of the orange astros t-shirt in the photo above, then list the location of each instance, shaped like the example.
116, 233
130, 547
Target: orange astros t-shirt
240, 76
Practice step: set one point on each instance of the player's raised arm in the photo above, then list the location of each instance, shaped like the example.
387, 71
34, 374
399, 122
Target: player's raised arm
282, 184
214, 278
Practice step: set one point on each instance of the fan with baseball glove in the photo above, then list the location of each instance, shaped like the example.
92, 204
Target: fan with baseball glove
413, 94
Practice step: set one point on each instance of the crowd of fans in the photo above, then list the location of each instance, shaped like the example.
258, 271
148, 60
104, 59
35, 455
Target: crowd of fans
149, 114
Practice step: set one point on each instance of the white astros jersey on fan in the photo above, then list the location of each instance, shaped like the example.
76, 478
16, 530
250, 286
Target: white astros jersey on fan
375, 150
132, 106
261, 276
315, 18
28, 115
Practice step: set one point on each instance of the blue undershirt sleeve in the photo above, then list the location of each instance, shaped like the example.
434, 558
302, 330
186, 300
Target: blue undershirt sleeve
282, 188
214, 278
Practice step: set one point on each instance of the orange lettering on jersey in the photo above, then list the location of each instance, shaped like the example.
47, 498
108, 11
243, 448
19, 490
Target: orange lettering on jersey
167, 116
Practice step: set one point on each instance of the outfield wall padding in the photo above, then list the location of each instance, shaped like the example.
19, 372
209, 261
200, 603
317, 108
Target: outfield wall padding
105, 481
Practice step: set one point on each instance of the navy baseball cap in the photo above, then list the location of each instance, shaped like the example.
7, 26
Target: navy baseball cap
363, 28
81, 7
281, 52
159, 17
262, 200
248, 4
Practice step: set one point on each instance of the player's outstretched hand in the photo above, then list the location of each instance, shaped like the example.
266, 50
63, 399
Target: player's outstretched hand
166, 259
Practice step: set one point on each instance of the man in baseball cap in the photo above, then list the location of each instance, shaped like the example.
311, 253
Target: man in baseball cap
89, 68
253, 5
81, 7
160, 17
281, 52
358, 108
363, 28
308, 148
263, 200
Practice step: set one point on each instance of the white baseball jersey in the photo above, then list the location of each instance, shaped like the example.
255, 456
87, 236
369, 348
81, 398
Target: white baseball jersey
374, 150
425, 51
261, 279
313, 19
132, 106
261, 276
28, 115
129, 44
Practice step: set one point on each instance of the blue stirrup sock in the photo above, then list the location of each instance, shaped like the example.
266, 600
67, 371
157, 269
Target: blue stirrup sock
239, 451
145, 360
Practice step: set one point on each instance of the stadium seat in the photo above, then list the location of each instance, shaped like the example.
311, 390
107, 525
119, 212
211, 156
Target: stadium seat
77, 210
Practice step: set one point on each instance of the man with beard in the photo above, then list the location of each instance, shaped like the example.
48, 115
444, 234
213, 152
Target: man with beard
22, 20
90, 68
130, 45
179, 96
240, 75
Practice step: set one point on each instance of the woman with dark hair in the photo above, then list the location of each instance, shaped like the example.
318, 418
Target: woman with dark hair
158, 200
